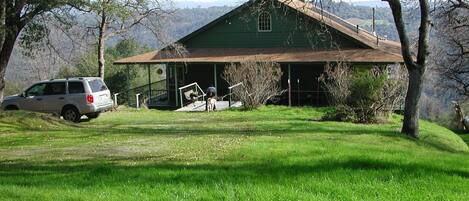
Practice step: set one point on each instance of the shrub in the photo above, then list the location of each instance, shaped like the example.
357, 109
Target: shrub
261, 81
363, 95
13, 87
341, 113
336, 80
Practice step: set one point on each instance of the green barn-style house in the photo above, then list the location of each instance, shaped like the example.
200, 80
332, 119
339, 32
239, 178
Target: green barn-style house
299, 36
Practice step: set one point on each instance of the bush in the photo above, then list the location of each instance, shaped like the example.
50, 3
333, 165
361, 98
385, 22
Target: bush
341, 113
336, 80
363, 95
261, 81
12, 87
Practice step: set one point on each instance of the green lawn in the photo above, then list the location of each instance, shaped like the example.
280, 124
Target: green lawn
465, 137
274, 153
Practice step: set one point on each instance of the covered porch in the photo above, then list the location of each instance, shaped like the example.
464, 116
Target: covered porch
205, 66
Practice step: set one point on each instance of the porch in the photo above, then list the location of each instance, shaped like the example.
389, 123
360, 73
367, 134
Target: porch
301, 69
299, 81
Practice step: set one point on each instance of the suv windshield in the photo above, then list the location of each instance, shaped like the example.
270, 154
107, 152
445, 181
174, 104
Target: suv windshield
97, 85
36, 90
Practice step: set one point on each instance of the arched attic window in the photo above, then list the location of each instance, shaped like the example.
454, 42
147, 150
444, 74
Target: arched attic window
264, 22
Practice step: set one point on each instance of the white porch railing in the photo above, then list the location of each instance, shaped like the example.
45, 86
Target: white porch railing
197, 89
230, 93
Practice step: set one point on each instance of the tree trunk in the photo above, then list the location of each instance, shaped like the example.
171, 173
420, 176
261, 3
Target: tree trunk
5, 54
411, 112
2, 22
416, 69
101, 44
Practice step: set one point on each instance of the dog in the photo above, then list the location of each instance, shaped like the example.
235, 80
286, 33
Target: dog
211, 104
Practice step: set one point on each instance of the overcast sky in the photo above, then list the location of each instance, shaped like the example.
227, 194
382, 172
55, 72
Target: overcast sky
213, 1
208, 3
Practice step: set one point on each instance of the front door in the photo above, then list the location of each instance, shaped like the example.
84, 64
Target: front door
203, 74
306, 87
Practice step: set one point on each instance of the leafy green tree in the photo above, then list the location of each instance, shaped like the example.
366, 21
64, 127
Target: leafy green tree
18, 20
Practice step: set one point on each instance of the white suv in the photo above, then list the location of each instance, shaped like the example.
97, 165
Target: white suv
70, 98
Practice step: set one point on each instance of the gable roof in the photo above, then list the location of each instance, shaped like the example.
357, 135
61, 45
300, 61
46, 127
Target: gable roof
343, 26
215, 22
386, 51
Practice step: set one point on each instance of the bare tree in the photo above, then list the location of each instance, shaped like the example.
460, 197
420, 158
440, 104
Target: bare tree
415, 68
451, 57
261, 81
115, 17
337, 79
462, 121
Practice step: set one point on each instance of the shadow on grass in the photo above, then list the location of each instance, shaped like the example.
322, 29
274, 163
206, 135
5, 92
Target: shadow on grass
304, 127
89, 173
194, 125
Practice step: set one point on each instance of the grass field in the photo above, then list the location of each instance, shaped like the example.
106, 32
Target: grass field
274, 153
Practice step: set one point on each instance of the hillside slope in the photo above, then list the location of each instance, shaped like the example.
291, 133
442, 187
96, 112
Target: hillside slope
274, 153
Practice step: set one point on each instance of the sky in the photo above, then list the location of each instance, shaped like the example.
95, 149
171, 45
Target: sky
216, 1
209, 3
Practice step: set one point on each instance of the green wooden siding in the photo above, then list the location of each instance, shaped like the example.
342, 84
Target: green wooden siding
289, 29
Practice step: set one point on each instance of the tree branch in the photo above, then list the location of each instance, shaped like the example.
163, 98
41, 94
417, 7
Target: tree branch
424, 32
396, 8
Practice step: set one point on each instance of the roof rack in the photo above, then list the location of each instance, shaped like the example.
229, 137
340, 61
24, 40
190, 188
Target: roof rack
79, 78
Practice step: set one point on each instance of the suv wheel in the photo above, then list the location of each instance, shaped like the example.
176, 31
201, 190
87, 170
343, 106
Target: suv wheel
93, 115
11, 107
71, 114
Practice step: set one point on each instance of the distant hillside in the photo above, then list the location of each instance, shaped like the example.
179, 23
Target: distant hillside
206, 4
380, 4
179, 24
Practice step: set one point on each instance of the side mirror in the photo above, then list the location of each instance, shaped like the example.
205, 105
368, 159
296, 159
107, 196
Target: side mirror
23, 95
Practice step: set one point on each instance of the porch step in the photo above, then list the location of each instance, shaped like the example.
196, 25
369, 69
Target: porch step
199, 106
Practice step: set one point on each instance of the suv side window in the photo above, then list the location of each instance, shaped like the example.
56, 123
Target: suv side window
97, 85
55, 88
76, 88
36, 90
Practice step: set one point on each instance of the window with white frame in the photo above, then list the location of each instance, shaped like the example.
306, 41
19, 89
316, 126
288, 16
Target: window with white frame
265, 22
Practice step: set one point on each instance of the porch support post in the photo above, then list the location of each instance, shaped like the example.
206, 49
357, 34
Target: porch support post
289, 85
128, 84
149, 84
176, 84
215, 76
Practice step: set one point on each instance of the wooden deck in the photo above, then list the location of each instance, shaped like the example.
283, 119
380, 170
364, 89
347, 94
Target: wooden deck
199, 106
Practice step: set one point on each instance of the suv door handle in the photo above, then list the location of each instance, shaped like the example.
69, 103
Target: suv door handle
39, 99
61, 98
